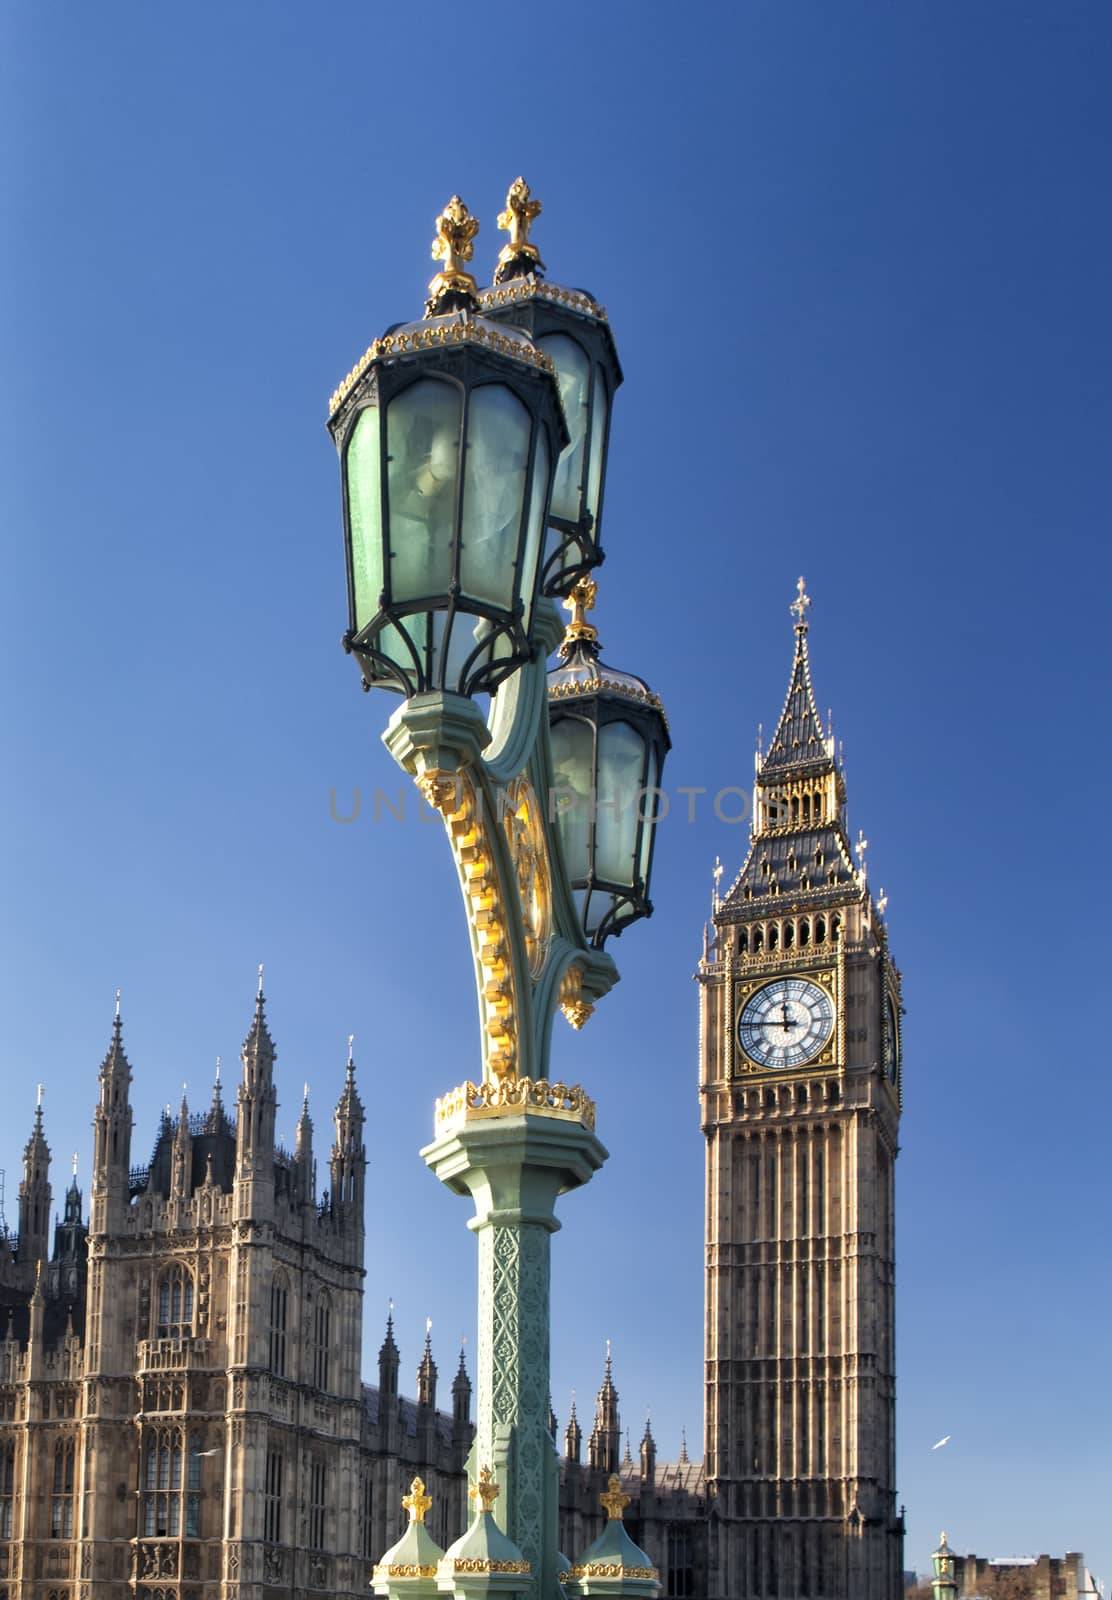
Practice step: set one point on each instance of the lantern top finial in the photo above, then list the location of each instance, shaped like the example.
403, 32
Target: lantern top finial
453, 288
519, 257
614, 1501
579, 602
485, 1490
416, 1502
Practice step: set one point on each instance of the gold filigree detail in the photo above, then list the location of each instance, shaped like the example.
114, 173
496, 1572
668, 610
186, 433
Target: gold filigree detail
579, 602
479, 1564
510, 1097
533, 288
611, 1569
529, 853
485, 1490
472, 849
645, 697
520, 214
614, 1500
432, 338
454, 245
403, 1569
417, 1502
572, 1004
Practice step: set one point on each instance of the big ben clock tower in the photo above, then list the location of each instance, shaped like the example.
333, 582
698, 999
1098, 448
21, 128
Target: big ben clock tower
800, 1090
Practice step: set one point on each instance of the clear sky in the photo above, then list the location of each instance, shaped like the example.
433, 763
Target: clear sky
856, 259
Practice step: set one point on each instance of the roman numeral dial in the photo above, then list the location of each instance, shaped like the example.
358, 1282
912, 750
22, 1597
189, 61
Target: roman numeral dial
786, 1023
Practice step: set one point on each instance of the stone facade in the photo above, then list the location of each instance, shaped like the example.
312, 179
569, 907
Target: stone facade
181, 1407
800, 1087
1038, 1577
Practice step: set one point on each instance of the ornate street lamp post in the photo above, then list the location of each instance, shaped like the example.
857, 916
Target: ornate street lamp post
472, 447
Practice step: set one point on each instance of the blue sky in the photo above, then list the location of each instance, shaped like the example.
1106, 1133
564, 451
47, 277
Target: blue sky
856, 261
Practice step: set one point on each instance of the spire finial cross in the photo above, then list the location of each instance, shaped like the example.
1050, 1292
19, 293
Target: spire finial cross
75, 1166
614, 1502
800, 606
260, 980
38, 1096
351, 1049
117, 1003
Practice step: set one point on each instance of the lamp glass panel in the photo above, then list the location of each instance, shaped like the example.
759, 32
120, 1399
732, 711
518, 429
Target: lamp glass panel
599, 408
621, 759
534, 527
494, 477
649, 809
573, 753
423, 426
364, 486
573, 374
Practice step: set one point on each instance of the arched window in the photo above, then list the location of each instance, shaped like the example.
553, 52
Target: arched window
743, 941
804, 932
789, 935
820, 930
322, 1340
773, 936
279, 1303
806, 809
758, 940
175, 1303
818, 806
795, 808
835, 925
61, 1500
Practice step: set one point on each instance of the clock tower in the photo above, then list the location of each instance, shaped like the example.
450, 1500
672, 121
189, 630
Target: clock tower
800, 1092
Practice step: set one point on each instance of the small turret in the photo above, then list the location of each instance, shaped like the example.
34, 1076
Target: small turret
181, 1161
426, 1374
573, 1437
257, 1103
67, 1265
112, 1136
304, 1163
34, 1196
605, 1443
349, 1157
388, 1365
648, 1454
461, 1400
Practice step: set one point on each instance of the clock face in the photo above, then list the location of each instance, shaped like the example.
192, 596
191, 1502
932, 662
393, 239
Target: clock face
786, 1023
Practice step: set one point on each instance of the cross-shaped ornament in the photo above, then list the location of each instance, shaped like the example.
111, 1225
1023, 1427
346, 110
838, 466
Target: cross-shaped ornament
882, 903
801, 604
614, 1502
416, 1502
520, 214
485, 1491
861, 846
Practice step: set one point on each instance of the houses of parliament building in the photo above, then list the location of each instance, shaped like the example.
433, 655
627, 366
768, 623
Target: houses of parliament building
182, 1412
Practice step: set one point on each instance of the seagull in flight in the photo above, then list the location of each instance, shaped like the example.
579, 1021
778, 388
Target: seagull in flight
942, 1441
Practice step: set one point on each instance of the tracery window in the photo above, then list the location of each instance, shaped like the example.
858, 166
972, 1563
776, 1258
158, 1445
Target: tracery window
175, 1303
164, 1485
279, 1305
318, 1478
322, 1339
272, 1497
61, 1498
7, 1489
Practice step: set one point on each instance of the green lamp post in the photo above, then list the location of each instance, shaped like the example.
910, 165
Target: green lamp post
453, 435
944, 1582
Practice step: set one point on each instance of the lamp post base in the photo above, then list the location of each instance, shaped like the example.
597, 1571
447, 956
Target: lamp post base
514, 1160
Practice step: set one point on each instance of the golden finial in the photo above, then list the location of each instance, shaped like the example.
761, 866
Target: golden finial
75, 1166
800, 606
520, 214
416, 1502
579, 602
485, 1491
453, 287
614, 1502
